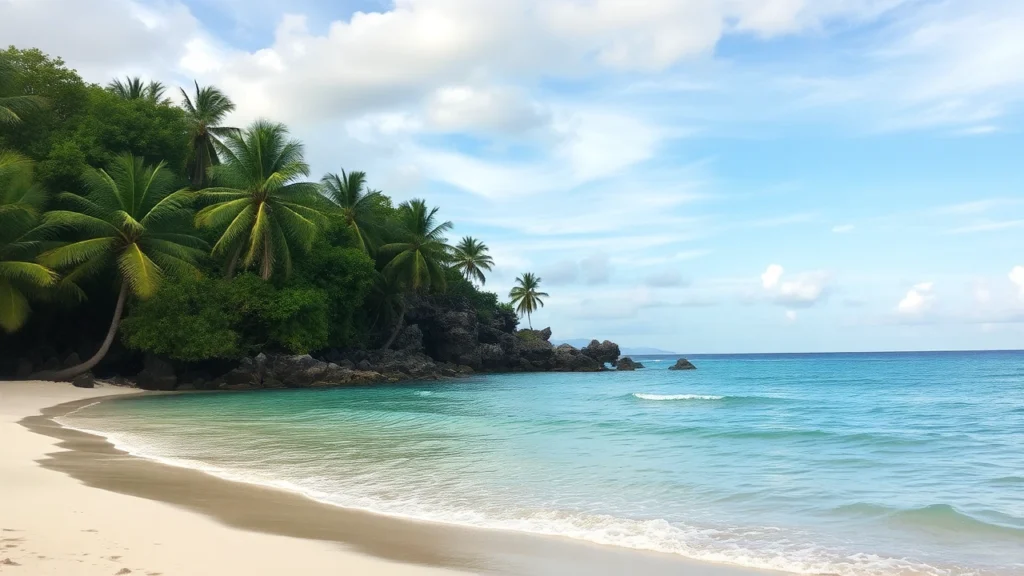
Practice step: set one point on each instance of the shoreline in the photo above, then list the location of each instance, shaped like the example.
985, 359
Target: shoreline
387, 544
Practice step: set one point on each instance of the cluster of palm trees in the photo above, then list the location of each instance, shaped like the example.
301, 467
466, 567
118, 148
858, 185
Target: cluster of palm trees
246, 186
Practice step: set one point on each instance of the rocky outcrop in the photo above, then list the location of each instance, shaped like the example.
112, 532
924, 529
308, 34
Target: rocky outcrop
157, 374
604, 352
84, 381
627, 365
298, 371
682, 364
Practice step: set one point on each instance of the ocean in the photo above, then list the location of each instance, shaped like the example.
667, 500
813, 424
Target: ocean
848, 464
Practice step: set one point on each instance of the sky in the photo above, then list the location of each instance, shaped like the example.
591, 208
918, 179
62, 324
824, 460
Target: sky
700, 176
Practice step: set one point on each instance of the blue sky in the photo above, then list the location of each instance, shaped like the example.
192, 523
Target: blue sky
696, 175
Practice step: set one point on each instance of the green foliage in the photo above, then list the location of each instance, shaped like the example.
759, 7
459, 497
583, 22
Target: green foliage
260, 210
526, 295
204, 112
485, 303
141, 127
471, 258
132, 219
21, 203
133, 88
528, 335
420, 251
345, 276
193, 319
203, 319
356, 210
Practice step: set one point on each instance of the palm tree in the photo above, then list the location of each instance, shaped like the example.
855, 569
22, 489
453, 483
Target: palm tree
204, 114
418, 258
525, 296
134, 220
21, 204
355, 206
133, 88
11, 107
471, 259
261, 212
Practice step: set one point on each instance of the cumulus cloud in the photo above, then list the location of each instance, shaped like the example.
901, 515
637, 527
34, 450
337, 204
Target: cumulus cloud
795, 291
919, 299
770, 277
1017, 278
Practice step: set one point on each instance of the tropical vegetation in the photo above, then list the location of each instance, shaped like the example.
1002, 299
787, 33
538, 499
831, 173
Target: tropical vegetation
526, 296
133, 224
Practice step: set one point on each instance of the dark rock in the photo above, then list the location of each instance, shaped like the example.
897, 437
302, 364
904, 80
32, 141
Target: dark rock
606, 352
682, 364
569, 359
72, 360
626, 364
545, 334
638, 365
24, 369
84, 381
51, 365
157, 374
364, 365
410, 338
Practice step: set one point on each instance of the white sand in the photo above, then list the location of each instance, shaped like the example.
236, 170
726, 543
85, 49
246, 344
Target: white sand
52, 524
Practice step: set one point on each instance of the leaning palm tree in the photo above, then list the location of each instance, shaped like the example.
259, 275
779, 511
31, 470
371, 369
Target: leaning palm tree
260, 209
418, 257
355, 206
471, 259
525, 296
21, 204
13, 106
204, 114
133, 88
133, 221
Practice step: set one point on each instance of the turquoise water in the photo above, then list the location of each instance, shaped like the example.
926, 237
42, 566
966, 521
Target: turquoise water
851, 464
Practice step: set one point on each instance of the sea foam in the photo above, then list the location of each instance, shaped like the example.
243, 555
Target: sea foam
662, 397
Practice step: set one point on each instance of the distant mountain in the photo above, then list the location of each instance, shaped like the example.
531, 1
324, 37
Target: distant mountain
634, 351
643, 351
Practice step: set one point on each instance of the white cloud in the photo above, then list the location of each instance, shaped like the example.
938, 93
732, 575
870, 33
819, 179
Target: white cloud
791, 315
919, 299
493, 109
799, 291
843, 229
1017, 278
804, 290
771, 275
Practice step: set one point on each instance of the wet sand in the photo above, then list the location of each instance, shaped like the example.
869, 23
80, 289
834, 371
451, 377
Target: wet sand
90, 502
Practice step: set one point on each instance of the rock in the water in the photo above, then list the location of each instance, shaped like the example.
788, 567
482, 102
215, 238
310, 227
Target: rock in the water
606, 352
157, 374
84, 381
638, 365
682, 364
626, 364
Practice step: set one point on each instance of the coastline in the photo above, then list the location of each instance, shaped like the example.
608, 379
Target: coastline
108, 504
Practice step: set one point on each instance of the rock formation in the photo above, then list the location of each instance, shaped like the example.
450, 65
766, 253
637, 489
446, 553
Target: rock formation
682, 364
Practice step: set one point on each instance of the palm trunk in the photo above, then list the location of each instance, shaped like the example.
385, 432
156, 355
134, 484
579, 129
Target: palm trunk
529, 320
115, 322
398, 327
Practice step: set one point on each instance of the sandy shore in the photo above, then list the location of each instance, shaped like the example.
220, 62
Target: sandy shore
52, 524
71, 503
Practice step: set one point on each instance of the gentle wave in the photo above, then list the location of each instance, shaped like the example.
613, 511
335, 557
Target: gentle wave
937, 517
759, 548
664, 397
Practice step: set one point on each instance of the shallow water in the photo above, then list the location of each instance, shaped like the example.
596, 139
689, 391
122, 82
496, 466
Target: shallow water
852, 464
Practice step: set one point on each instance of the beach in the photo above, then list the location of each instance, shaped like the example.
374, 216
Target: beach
72, 504
53, 524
